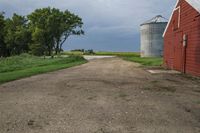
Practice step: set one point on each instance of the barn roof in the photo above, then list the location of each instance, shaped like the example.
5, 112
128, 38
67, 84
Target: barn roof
194, 3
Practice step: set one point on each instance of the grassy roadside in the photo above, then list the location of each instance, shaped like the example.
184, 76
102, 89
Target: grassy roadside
135, 57
150, 61
17, 67
129, 56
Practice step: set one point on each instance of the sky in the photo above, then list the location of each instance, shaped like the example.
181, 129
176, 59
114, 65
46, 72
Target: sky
109, 25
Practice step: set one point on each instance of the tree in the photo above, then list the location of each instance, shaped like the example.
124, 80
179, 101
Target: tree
70, 24
51, 27
44, 32
17, 35
38, 46
3, 50
41, 25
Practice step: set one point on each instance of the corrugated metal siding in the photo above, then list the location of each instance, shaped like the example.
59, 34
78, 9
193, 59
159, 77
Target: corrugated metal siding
190, 25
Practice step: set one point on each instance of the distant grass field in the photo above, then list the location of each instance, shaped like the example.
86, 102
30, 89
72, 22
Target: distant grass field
72, 53
102, 53
129, 56
135, 54
25, 65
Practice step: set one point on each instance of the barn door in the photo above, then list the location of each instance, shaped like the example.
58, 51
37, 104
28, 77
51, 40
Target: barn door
178, 52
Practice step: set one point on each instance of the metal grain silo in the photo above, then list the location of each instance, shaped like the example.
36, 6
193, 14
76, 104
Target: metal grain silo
151, 37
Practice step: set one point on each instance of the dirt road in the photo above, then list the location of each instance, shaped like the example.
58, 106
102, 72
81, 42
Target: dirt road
103, 96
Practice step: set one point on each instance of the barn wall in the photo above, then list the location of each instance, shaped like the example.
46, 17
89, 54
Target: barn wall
190, 25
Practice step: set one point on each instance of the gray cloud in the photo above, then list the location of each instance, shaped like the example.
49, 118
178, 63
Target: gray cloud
109, 24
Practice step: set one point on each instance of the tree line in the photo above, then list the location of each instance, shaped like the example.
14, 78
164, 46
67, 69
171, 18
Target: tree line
42, 32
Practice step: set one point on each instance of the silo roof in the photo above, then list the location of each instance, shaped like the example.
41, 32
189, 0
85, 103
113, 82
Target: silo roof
156, 19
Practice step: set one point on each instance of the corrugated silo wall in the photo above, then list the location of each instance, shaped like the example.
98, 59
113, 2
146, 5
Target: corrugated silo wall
152, 40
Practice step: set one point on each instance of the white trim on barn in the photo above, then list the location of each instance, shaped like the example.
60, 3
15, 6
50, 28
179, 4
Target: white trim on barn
175, 8
179, 16
194, 3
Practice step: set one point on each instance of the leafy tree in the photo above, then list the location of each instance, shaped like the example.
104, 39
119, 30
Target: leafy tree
51, 27
3, 50
69, 24
17, 36
42, 29
38, 46
44, 32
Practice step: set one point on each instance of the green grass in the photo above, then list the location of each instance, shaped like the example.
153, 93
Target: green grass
102, 53
72, 53
129, 56
17, 67
118, 53
150, 61
135, 57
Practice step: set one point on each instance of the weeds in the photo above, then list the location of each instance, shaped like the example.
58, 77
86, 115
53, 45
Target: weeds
25, 65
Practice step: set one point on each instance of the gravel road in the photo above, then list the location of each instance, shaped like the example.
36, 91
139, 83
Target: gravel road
103, 96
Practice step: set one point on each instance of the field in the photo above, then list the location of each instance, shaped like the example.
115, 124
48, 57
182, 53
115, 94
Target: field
135, 57
25, 65
118, 53
129, 56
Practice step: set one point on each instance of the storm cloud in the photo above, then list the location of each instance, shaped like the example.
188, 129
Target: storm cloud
110, 25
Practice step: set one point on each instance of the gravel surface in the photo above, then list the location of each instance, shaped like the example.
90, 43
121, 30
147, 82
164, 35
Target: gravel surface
92, 57
103, 96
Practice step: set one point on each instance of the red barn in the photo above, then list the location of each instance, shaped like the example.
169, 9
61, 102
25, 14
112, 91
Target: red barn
182, 38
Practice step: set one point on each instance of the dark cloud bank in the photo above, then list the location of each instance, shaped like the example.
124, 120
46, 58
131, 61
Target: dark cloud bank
110, 25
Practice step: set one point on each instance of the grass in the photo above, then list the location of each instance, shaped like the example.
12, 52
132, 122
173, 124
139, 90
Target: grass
150, 61
25, 65
72, 53
102, 53
118, 53
135, 57
129, 56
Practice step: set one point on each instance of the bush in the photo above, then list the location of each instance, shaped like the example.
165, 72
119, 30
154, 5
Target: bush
89, 52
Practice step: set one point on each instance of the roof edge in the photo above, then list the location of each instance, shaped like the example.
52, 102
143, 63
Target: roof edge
191, 4
170, 18
175, 8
